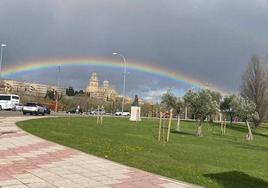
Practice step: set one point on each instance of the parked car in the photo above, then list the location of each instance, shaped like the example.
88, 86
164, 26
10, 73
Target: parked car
33, 108
92, 112
118, 113
126, 113
47, 109
97, 112
73, 111
18, 107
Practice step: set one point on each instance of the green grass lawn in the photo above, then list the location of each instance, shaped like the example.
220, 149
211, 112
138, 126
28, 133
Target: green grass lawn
212, 160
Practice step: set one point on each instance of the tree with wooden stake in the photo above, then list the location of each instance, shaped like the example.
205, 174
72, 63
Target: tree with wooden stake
202, 104
169, 123
245, 110
160, 126
170, 101
161, 129
163, 126
223, 124
226, 107
100, 115
216, 99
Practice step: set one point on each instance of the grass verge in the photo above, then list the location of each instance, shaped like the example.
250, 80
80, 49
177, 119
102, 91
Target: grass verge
211, 161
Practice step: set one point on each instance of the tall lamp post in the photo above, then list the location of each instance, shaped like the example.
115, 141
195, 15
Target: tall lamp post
57, 92
124, 79
1, 58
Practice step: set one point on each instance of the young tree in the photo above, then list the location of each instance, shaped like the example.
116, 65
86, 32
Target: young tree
216, 98
202, 104
255, 87
178, 107
226, 107
172, 102
168, 99
245, 110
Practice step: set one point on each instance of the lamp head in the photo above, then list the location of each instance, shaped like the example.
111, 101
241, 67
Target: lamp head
3, 45
115, 53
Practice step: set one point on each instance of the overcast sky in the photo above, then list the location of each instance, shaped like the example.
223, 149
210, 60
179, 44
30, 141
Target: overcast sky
212, 40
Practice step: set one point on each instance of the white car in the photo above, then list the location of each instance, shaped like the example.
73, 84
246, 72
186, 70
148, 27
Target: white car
122, 113
118, 113
97, 112
126, 114
93, 112
18, 107
33, 108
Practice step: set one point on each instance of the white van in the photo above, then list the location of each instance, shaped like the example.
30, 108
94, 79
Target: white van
8, 101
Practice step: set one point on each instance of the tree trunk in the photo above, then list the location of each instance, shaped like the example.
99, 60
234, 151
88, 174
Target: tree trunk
199, 129
222, 128
256, 120
249, 135
178, 128
224, 124
169, 125
210, 122
160, 127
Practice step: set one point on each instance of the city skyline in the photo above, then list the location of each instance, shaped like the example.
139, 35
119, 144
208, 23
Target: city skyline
196, 38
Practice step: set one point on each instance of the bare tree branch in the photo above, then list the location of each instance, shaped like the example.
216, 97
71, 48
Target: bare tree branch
255, 87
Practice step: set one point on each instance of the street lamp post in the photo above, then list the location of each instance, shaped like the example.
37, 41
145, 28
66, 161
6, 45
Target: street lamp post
1, 58
58, 89
124, 79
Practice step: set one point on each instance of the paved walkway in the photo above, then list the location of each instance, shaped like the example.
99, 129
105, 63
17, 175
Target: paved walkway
29, 161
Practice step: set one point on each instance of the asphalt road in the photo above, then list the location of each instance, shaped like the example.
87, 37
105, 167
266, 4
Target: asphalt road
4, 113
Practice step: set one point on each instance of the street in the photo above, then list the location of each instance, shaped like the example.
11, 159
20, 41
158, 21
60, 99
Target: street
4, 113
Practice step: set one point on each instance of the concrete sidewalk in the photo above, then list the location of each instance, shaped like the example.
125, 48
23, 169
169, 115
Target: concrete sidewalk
29, 161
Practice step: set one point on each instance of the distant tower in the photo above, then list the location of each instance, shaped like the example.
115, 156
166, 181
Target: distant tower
106, 84
93, 85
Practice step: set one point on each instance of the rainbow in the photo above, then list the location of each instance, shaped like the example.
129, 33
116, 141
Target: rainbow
28, 67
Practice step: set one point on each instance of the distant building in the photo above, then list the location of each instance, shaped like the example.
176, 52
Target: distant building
31, 88
102, 92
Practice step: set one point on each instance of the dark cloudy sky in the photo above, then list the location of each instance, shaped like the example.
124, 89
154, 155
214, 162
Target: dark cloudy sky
212, 40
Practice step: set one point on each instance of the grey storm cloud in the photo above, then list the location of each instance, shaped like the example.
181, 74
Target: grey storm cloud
210, 39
